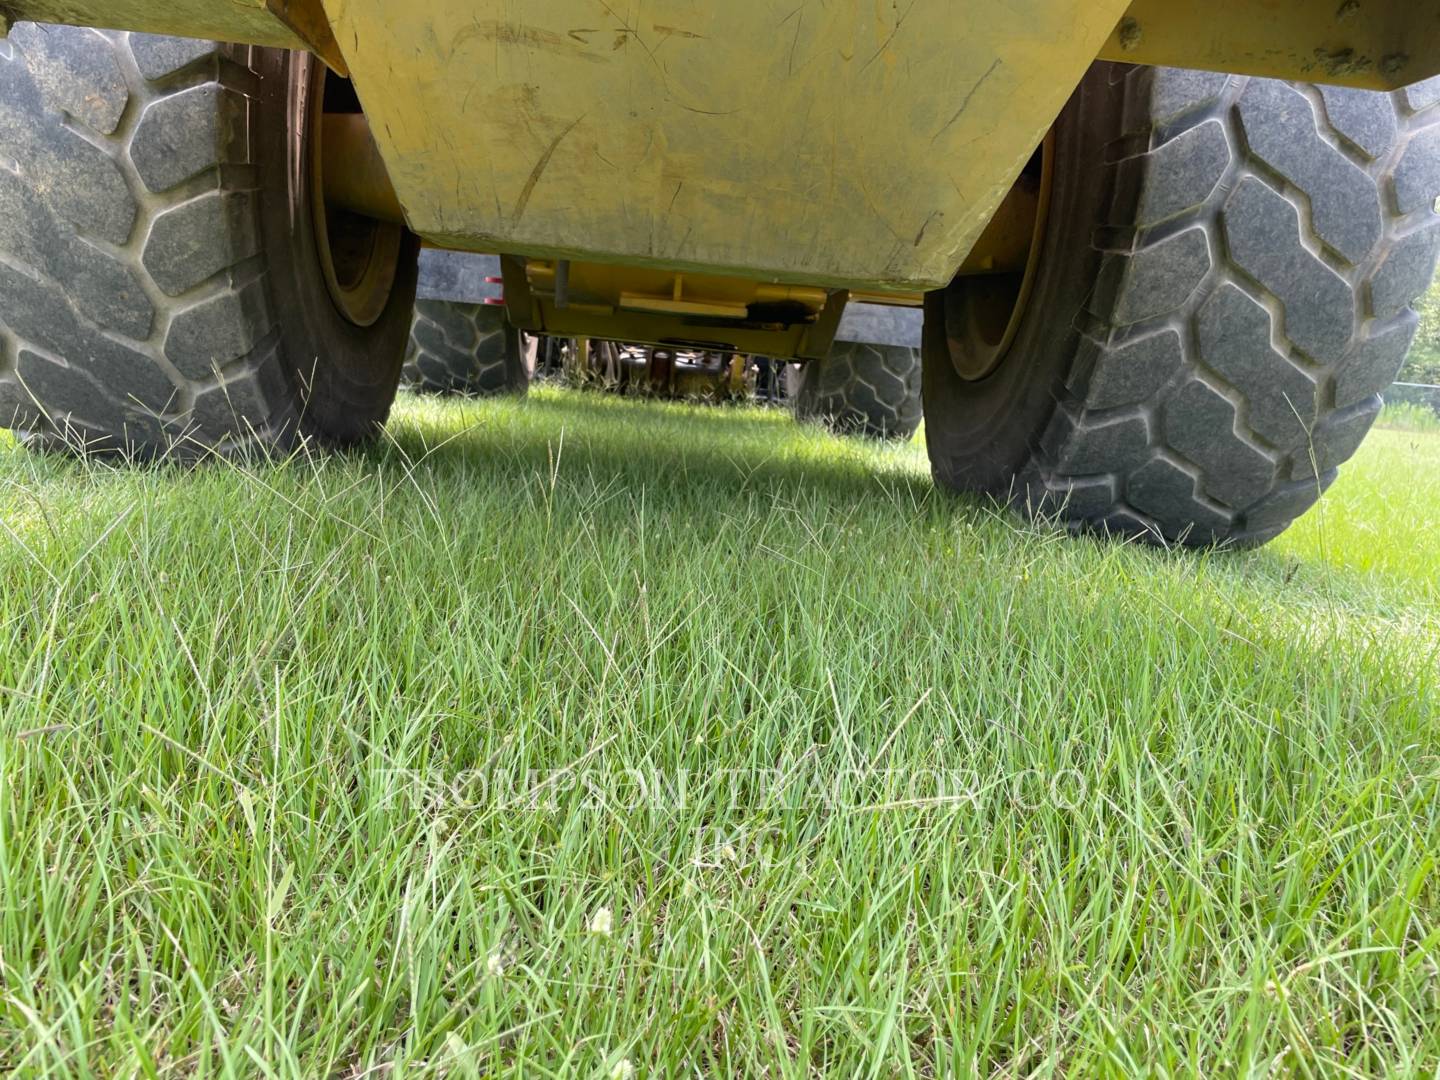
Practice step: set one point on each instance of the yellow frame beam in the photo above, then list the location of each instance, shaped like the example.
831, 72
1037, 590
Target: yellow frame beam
250, 22
1373, 44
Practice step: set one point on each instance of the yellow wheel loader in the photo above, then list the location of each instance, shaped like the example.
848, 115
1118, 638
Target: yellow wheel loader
1165, 250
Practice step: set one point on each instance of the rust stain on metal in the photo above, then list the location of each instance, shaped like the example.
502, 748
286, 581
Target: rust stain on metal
1129, 34
921, 234
1342, 61
535, 173
965, 101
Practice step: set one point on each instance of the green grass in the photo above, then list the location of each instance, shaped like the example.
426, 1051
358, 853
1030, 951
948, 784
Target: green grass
1409, 416
557, 736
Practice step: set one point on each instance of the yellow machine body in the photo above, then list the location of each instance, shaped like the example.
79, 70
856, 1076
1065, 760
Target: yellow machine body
831, 145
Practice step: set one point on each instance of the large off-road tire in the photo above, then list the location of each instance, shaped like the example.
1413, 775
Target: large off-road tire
862, 389
460, 348
1222, 291
163, 261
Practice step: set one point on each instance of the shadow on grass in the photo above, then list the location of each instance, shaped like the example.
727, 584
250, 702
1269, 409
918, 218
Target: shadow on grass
700, 463
712, 451
703, 461
700, 467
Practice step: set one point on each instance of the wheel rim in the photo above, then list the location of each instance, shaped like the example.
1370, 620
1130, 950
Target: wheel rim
359, 255
983, 312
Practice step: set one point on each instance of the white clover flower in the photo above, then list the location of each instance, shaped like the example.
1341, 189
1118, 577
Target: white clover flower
602, 922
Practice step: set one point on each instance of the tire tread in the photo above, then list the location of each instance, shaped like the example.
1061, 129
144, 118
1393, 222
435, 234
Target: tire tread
463, 348
863, 389
1286, 287
137, 316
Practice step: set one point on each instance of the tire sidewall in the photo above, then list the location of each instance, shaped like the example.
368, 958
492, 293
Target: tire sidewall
986, 435
342, 377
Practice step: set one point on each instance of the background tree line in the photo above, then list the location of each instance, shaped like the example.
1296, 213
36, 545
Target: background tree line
1423, 363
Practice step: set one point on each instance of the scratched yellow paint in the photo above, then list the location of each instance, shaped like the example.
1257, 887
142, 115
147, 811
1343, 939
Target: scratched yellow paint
851, 142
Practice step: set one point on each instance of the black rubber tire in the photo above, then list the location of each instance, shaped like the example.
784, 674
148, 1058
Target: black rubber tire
858, 389
460, 348
1223, 291
161, 291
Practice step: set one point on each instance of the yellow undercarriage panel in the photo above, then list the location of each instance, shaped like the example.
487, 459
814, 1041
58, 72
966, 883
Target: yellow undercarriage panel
858, 143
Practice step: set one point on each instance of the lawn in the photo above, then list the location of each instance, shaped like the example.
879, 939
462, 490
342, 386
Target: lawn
581, 737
